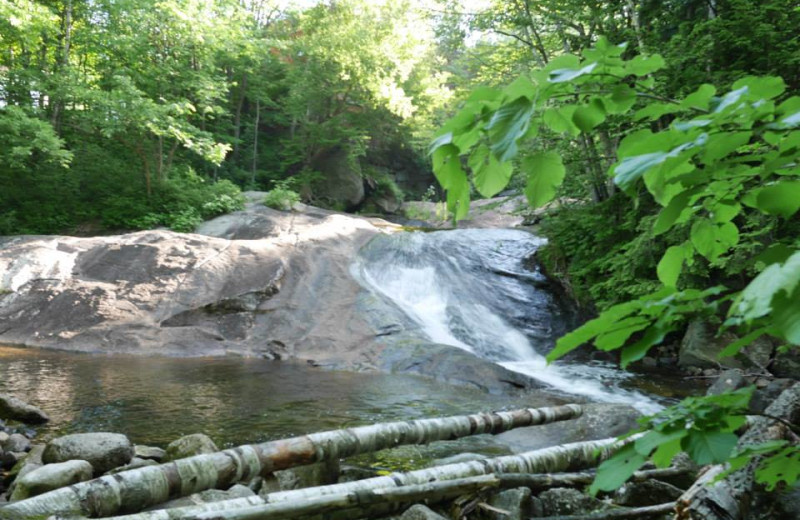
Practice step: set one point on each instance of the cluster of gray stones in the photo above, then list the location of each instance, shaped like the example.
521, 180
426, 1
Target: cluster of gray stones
28, 468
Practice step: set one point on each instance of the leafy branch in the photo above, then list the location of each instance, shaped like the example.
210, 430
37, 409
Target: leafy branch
722, 158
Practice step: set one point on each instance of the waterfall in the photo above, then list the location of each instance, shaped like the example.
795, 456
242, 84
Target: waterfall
473, 289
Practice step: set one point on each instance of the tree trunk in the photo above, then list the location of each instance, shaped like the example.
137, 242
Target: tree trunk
255, 144
537, 482
359, 504
237, 118
553, 459
731, 497
140, 488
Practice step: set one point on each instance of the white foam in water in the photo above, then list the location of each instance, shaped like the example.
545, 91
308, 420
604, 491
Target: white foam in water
422, 294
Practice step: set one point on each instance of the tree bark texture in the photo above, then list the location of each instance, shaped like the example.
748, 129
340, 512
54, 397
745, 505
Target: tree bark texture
557, 458
360, 503
730, 498
137, 489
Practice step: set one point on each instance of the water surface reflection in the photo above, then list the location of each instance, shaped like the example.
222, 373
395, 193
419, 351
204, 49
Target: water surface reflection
234, 400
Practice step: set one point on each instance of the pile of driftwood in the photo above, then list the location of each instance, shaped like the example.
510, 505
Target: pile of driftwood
466, 484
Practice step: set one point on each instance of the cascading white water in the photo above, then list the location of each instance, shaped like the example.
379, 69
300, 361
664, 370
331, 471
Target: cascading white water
470, 289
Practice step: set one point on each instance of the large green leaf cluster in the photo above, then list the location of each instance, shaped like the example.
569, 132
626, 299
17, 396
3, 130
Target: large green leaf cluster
711, 161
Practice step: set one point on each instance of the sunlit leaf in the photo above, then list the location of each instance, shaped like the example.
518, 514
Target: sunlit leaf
545, 172
508, 124
490, 175
563, 75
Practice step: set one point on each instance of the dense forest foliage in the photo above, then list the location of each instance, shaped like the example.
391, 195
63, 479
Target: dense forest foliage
667, 131
135, 114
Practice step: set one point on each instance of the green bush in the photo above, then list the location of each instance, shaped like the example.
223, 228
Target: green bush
281, 198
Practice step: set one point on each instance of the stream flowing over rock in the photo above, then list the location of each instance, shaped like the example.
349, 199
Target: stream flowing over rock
464, 307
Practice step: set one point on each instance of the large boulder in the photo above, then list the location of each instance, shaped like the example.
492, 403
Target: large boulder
341, 181
50, 477
701, 346
258, 282
13, 408
189, 446
104, 451
16, 442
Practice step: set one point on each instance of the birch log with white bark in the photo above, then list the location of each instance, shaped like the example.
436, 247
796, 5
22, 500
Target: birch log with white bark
137, 489
557, 458
730, 497
360, 503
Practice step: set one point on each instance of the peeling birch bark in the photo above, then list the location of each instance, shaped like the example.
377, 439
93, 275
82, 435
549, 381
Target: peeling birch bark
557, 458
358, 502
137, 489
731, 497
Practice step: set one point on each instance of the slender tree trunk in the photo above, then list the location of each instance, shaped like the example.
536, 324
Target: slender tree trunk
143, 487
255, 144
62, 62
237, 119
557, 458
636, 21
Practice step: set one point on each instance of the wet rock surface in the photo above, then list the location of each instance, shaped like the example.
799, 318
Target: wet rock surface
104, 451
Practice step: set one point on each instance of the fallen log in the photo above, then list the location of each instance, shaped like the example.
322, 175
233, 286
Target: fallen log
557, 458
619, 514
137, 489
359, 503
730, 498
538, 482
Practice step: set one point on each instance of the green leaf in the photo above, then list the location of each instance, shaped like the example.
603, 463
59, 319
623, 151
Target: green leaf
653, 439
520, 87
755, 300
560, 120
442, 140
490, 175
612, 473
712, 240
784, 466
622, 99
700, 98
709, 447
733, 348
458, 196
664, 454
670, 214
618, 333
671, 264
765, 87
483, 94
592, 328
564, 75
447, 165
723, 144
545, 172
588, 116
782, 198
508, 124
786, 316
656, 110
729, 99
652, 336
642, 65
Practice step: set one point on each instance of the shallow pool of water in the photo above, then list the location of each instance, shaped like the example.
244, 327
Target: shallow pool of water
233, 400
